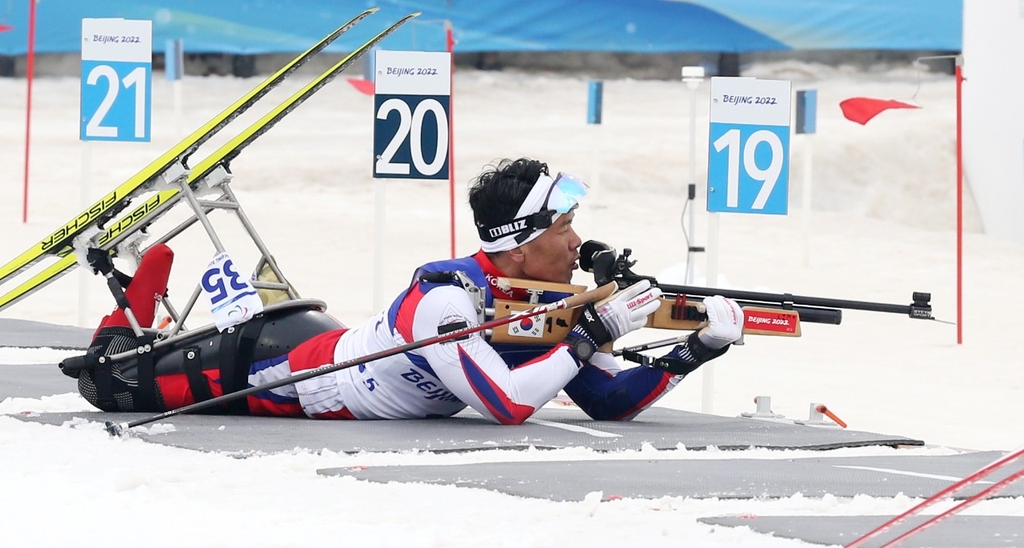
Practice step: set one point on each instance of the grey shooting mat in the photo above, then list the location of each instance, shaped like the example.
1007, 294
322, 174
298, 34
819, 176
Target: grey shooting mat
739, 478
29, 334
34, 381
956, 531
468, 431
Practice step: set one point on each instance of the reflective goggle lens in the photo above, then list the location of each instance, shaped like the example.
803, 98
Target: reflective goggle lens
566, 192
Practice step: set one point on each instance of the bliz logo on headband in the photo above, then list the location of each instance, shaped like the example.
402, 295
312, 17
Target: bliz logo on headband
518, 225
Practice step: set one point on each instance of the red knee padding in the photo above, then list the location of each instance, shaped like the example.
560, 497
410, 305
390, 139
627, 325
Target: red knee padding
315, 352
175, 390
147, 287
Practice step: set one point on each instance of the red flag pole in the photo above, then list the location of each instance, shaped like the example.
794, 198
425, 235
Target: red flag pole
450, 44
29, 70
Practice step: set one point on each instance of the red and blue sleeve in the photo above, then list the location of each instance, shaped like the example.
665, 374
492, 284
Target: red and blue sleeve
606, 392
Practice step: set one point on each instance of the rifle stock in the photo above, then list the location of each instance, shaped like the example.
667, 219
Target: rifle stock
678, 313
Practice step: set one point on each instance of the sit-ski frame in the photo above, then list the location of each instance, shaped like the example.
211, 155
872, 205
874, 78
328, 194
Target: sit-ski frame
203, 196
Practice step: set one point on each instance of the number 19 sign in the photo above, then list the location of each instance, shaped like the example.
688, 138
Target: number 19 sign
117, 69
412, 98
748, 156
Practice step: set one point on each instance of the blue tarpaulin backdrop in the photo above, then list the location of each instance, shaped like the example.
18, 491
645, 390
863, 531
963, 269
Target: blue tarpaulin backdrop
639, 26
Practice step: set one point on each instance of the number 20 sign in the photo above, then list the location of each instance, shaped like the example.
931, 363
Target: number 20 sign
748, 156
117, 69
412, 99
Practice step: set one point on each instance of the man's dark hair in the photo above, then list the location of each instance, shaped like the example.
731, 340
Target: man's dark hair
496, 194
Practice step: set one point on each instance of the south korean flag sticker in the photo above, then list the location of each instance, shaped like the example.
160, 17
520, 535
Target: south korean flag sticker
532, 327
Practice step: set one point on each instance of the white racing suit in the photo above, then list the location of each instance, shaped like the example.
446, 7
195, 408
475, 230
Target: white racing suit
504, 383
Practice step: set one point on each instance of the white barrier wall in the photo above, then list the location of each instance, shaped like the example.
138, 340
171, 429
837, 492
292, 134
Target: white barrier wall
993, 112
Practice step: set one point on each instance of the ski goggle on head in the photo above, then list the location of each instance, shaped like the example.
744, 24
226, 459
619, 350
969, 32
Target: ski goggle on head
548, 199
565, 194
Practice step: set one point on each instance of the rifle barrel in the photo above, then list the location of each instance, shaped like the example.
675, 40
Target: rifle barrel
919, 309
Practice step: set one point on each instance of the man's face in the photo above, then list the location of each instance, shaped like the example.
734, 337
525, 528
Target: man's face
552, 256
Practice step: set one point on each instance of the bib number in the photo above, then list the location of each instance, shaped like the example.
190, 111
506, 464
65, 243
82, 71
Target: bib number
233, 300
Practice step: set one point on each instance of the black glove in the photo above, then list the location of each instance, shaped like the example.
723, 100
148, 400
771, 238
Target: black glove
686, 357
99, 260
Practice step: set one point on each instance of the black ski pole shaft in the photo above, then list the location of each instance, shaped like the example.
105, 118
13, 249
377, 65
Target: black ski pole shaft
594, 295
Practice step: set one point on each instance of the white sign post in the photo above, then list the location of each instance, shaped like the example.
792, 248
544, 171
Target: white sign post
412, 105
748, 164
116, 97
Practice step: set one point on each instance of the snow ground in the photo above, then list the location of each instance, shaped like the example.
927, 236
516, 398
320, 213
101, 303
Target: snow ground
882, 225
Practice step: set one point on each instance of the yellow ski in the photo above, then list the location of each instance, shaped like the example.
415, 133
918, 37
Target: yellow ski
119, 198
160, 202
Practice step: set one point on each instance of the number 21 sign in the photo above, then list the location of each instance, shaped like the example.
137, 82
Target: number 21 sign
748, 156
117, 69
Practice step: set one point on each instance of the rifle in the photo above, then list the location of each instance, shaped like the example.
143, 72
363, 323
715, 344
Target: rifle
765, 313
682, 307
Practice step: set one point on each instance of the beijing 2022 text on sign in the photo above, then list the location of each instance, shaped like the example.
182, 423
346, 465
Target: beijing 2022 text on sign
748, 156
117, 70
412, 100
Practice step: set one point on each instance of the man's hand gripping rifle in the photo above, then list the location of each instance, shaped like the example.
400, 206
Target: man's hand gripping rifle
764, 313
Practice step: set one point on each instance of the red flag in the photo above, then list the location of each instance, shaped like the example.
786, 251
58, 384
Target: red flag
5, 27
862, 109
363, 86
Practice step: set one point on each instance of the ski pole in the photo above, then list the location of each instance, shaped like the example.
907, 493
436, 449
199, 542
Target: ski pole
573, 301
957, 486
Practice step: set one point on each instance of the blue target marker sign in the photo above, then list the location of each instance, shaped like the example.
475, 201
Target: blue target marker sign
412, 101
117, 73
748, 156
